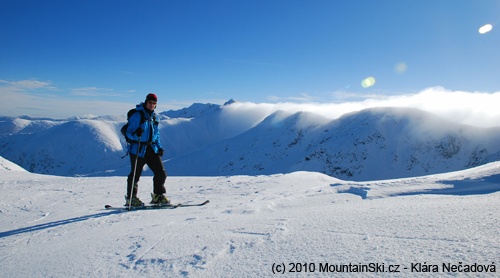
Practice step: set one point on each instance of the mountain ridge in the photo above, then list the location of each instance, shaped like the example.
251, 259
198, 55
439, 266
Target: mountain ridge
356, 146
232, 139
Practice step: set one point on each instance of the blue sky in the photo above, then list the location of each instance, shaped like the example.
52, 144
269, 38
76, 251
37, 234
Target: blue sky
68, 58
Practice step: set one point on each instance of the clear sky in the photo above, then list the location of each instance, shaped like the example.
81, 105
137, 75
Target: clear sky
70, 58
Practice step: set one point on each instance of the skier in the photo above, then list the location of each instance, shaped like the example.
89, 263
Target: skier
143, 126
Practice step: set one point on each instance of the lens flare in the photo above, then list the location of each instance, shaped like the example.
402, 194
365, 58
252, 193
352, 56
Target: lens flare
485, 29
370, 81
400, 68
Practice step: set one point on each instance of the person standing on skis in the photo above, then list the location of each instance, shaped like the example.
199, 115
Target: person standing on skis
143, 128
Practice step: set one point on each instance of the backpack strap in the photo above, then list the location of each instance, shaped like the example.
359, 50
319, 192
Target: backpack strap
143, 118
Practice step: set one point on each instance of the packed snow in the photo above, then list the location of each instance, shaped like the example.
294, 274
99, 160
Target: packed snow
254, 226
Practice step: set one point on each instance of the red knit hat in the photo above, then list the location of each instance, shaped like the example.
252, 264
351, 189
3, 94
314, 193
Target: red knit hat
151, 97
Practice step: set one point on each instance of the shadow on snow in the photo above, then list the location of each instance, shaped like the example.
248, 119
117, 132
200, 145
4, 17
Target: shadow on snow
56, 224
464, 187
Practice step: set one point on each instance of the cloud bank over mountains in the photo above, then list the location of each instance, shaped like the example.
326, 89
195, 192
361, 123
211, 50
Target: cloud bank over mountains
42, 99
247, 138
477, 109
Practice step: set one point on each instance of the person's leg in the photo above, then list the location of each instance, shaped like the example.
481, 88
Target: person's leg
155, 163
138, 173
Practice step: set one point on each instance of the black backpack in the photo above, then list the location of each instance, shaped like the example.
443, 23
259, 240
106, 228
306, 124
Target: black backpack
143, 119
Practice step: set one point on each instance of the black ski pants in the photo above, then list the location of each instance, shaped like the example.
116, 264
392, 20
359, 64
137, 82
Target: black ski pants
153, 160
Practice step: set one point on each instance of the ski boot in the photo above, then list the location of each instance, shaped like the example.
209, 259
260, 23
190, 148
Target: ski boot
159, 199
136, 202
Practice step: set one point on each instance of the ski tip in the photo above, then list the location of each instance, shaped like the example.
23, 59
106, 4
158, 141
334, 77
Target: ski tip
107, 206
206, 202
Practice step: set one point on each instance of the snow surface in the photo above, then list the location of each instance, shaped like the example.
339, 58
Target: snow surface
6, 165
53, 226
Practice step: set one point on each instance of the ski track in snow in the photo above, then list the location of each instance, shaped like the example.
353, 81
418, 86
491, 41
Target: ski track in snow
57, 226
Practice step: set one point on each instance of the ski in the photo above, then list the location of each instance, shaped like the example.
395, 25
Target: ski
194, 205
143, 207
156, 206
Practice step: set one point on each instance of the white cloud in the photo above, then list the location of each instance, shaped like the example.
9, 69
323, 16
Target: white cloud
26, 84
305, 97
343, 96
13, 103
36, 99
473, 108
93, 92
30, 97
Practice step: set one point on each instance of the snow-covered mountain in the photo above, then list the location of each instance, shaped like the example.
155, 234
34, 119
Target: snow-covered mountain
193, 111
232, 139
378, 143
205, 125
64, 148
84, 146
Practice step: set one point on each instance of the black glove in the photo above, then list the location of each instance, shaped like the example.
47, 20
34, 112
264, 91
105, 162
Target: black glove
139, 132
160, 152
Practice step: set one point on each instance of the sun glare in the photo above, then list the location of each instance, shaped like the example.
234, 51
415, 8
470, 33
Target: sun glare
400, 68
370, 81
485, 29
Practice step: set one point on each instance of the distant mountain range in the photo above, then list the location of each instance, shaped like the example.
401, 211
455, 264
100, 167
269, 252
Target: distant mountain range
229, 139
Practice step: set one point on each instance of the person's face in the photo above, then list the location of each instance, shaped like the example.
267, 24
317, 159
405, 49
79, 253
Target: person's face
151, 104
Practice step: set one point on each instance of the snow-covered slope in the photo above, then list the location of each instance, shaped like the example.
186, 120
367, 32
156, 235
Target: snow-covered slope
181, 135
57, 226
377, 143
85, 146
9, 126
66, 148
193, 111
6, 165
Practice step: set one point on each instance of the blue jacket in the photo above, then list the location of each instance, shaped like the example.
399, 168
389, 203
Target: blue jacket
151, 131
